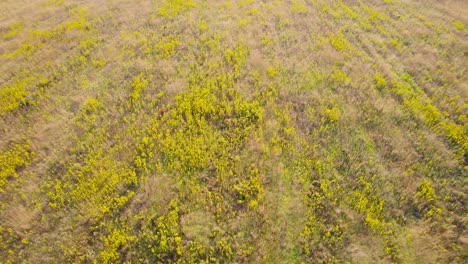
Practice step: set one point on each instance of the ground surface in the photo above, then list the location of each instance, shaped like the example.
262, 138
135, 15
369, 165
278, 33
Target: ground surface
233, 131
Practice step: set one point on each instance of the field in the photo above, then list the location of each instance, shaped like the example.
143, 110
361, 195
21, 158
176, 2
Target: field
240, 131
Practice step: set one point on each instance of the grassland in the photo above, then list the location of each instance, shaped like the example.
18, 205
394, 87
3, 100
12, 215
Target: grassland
248, 131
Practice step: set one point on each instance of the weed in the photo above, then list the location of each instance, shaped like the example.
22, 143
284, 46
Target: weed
14, 30
139, 83
298, 7
459, 25
428, 200
340, 43
166, 48
117, 238
16, 157
161, 240
380, 81
172, 8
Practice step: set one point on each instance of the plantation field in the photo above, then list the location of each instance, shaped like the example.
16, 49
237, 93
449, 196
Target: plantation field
233, 131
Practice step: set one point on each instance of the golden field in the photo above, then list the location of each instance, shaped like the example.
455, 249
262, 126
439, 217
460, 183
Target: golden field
242, 131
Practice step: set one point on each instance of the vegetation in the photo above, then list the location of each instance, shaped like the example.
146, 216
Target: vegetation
237, 131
